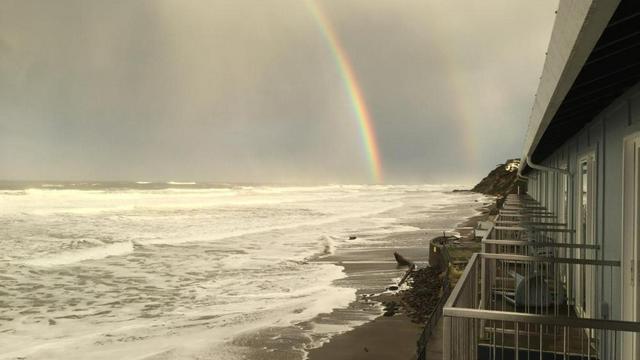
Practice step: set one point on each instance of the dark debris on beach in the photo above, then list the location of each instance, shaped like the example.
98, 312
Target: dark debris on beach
424, 293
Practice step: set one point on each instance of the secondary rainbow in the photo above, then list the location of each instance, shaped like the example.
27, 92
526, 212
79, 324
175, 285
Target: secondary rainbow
367, 130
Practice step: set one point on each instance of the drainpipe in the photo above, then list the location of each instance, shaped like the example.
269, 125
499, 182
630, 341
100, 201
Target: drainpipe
542, 168
520, 171
551, 169
545, 168
520, 176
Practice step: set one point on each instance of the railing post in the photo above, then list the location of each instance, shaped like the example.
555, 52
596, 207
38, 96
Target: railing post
446, 338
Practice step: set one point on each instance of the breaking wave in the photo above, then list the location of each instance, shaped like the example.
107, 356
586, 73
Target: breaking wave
74, 256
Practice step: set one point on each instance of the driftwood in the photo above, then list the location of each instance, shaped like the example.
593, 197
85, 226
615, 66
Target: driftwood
402, 261
406, 275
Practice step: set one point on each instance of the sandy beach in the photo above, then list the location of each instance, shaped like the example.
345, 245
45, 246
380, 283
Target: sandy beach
386, 337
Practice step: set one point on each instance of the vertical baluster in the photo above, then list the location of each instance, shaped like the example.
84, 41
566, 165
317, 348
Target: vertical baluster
565, 342
517, 341
589, 345
581, 343
540, 347
447, 341
494, 340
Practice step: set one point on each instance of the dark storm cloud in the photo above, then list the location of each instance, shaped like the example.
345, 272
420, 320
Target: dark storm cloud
248, 90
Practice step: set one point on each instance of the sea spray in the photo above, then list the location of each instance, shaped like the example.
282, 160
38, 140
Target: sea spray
328, 245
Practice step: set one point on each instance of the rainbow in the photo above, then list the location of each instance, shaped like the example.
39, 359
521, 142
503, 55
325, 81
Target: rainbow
367, 130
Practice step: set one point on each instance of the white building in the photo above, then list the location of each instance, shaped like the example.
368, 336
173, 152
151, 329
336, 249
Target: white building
558, 277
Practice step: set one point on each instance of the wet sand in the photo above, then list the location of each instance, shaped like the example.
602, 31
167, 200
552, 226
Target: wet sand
385, 337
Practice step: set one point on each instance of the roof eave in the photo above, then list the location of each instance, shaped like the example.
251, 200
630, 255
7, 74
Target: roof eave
577, 28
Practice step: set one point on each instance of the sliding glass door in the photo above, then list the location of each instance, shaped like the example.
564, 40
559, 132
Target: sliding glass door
585, 234
630, 246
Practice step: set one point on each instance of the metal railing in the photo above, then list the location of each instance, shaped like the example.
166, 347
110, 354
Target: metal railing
522, 311
534, 293
536, 239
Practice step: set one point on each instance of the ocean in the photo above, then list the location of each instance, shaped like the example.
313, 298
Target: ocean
179, 270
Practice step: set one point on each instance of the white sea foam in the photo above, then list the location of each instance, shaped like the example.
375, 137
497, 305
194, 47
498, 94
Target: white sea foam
74, 256
52, 186
314, 221
179, 273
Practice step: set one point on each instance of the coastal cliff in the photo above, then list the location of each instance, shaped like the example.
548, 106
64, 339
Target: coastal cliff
502, 180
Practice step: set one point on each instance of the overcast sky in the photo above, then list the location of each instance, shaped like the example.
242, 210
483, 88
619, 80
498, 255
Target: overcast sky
248, 90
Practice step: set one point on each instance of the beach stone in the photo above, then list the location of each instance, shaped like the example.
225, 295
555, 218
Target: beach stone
391, 308
424, 293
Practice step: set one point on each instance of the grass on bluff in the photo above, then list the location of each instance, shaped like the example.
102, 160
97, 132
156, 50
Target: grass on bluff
459, 257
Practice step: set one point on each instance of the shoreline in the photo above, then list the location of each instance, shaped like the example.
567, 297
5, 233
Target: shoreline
391, 335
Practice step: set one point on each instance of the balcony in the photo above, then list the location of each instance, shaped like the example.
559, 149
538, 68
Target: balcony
532, 294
